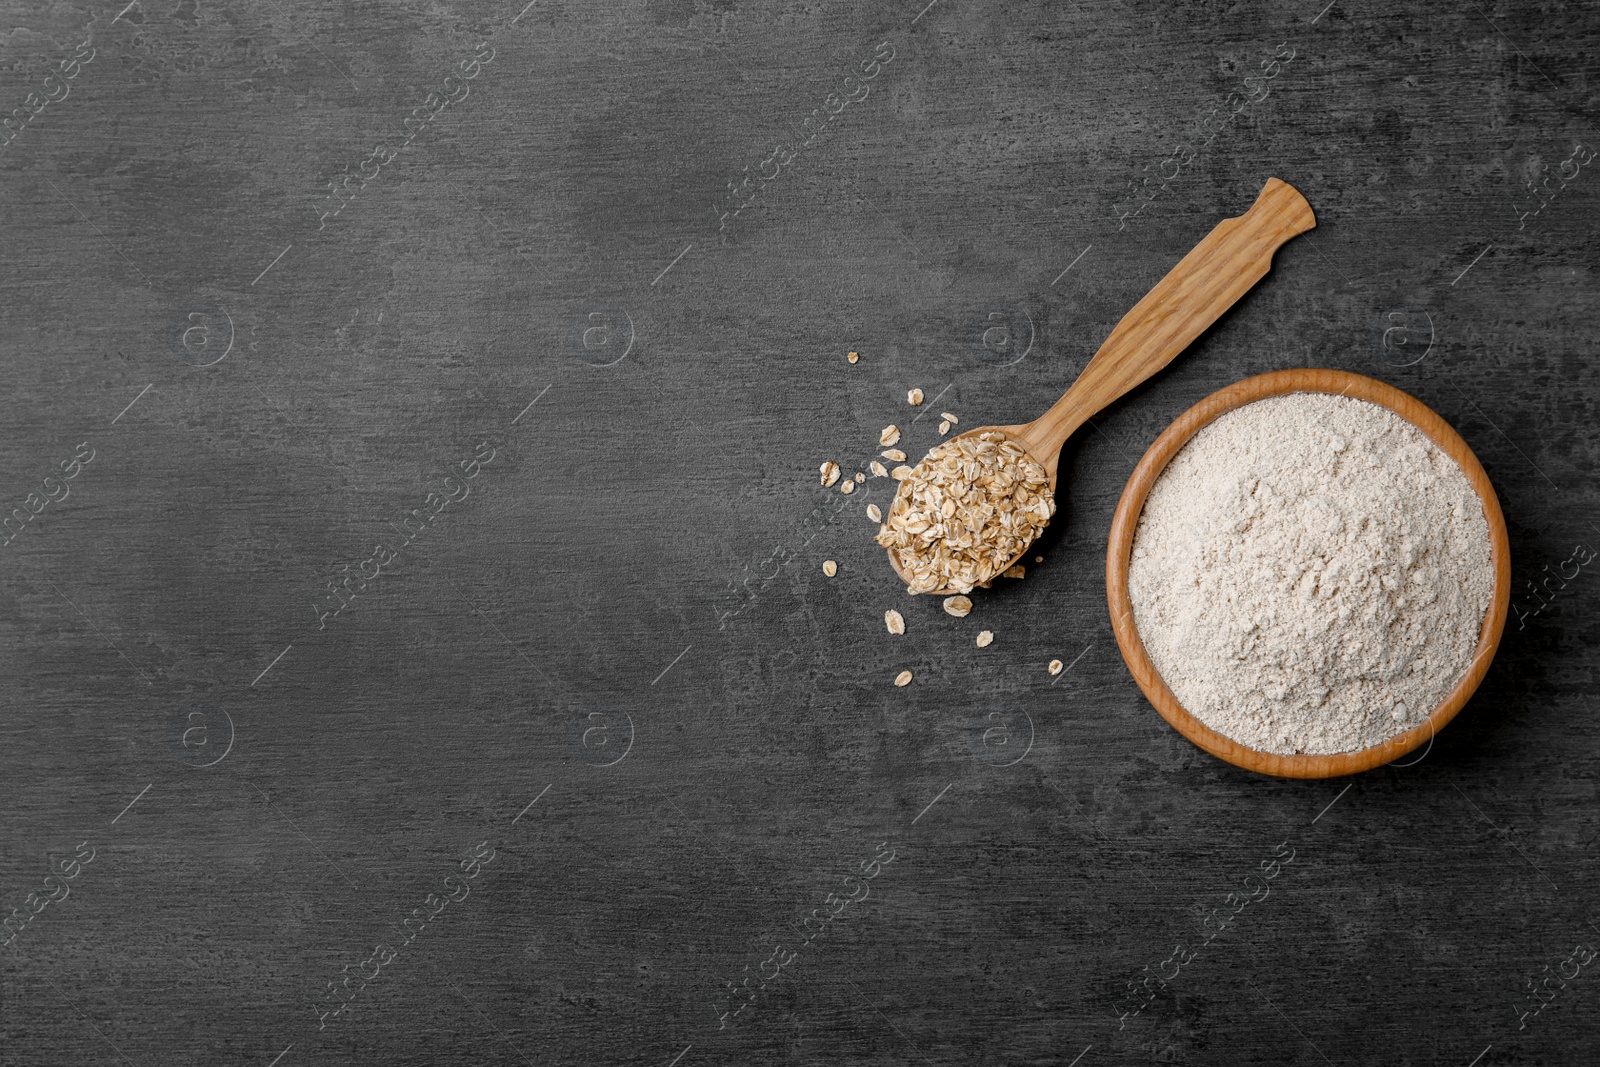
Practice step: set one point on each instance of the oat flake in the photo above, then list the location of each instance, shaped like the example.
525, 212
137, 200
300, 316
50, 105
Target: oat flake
959, 606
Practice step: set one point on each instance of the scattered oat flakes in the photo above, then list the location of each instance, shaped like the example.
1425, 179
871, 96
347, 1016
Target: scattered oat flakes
895, 621
878, 470
1038, 559
874, 513
900, 473
985, 638
853, 356
914, 398
947, 417
1055, 666
965, 512
959, 606
893, 454
944, 427
830, 473
830, 568
848, 487
903, 678
1016, 570
889, 436
860, 477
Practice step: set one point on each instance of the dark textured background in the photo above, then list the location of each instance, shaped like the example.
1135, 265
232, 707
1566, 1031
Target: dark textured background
626, 621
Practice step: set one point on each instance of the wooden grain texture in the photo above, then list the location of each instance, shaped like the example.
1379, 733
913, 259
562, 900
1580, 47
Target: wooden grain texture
456, 378
1210, 279
1125, 525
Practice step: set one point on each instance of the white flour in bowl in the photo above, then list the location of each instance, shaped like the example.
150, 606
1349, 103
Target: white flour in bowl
1310, 574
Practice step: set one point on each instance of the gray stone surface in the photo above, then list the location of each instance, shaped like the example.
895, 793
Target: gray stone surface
614, 661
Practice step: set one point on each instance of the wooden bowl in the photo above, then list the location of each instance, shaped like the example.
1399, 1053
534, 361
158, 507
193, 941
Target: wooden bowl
1125, 523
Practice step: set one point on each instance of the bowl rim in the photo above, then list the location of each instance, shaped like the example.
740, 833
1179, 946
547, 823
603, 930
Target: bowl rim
1125, 522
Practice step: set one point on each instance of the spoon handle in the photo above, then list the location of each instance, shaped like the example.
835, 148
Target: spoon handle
1226, 263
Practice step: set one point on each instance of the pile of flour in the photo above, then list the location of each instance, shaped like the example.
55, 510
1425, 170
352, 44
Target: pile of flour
1310, 574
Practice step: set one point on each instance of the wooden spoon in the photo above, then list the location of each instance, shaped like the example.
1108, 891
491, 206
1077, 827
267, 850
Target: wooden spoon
1219, 270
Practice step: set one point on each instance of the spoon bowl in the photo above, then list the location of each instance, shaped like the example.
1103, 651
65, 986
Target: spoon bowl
1225, 265
1015, 433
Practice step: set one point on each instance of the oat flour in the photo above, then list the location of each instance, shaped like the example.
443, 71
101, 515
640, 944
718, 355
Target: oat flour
1310, 574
